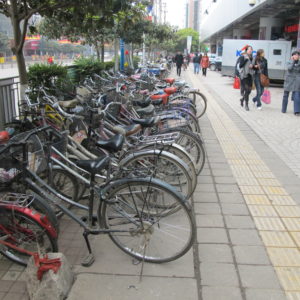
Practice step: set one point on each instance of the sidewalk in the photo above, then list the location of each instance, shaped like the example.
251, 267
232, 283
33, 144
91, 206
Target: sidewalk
247, 215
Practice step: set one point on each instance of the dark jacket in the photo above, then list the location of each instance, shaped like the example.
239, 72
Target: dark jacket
179, 59
262, 66
292, 79
197, 59
245, 62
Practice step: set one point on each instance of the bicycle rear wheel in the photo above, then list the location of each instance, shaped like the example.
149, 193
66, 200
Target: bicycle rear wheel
200, 101
25, 233
148, 232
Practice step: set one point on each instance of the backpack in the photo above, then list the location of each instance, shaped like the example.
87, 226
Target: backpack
238, 71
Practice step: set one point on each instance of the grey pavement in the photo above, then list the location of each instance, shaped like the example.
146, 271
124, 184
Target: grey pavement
233, 257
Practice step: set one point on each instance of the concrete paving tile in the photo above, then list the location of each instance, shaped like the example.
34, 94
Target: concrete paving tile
205, 172
260, 277
205, 197
289, 277
277, 238
247, 181
215, 253
227, 188
252, 255
205, 179
251, 190
11, 275
234, 209
240, 222
292, 224
207, 208
220, 179
292, 295
269, 182
275, 190
109, 259
19, 287
231, 198
112, 287
5, 285
205, 187
266, 223
15, 296
245, 237
212, 235
221, 293
222, 173
284, 257
218, 274
209, 221
263, 294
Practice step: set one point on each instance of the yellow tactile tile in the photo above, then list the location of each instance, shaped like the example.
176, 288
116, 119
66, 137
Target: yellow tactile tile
281, 200
289, 277
288, 211
247, 181
291, 224
236, 162
284, 257
257, 199
277, 239
242, 174
268, 182
252, 162
275, 190
264, 175
293, 295
251, 190
296, 237
269, 224
262, 211
259, 168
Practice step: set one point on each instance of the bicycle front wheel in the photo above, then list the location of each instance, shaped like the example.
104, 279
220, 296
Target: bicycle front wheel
23, 233
142, 228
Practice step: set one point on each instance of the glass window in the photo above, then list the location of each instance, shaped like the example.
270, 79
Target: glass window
277, 51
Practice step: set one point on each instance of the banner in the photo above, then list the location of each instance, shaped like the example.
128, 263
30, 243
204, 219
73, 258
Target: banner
189, 43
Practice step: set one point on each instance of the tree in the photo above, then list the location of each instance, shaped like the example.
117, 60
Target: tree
20, 11
182, 34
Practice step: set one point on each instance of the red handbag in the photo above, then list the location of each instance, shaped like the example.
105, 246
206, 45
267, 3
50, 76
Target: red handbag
236, 83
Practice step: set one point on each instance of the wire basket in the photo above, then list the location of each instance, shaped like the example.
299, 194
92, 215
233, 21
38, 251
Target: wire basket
11, 159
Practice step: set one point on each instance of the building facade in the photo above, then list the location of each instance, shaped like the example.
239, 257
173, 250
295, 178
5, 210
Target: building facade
193, 14
248, 19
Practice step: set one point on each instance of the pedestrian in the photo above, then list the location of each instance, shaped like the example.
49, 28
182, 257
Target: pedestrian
204, 64
196, 62
237, 74
188, 59
260, 66
185, 63
245, 67
179, 62
292, 84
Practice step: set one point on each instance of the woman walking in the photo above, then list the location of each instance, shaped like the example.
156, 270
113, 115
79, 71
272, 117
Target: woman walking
246, 71
260, 67
204, 64
292, 84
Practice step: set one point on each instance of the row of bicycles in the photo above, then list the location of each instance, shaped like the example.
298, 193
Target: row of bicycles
121, 158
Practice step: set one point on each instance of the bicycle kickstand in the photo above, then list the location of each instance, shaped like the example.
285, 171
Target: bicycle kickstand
89, 259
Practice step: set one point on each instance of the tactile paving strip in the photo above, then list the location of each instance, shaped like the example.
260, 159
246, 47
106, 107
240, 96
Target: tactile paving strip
275, 213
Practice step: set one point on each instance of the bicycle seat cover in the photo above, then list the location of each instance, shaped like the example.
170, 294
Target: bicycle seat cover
170, 90
68, 104
146, 110
114, 144
127, 130
4, 136
142, 103
164, 98
94, 165
169, 80
157, 102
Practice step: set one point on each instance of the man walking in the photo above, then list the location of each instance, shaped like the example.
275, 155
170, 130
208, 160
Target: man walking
179, 62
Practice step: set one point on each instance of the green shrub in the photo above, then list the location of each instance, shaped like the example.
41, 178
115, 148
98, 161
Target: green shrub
109, 65
87, 66
50, 76
136, 61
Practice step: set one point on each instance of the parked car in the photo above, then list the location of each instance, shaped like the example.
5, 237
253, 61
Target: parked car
215, 63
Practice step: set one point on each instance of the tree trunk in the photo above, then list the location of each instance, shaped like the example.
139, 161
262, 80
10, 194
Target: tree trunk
102, 51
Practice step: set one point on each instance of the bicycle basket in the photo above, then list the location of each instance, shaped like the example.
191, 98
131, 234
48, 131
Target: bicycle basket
36, 157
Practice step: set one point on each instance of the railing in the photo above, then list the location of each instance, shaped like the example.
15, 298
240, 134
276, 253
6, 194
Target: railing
9, 99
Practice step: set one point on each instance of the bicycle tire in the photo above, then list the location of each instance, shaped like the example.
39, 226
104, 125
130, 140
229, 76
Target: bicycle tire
193, 144
171, 235
200, 101
161, 165
30, 235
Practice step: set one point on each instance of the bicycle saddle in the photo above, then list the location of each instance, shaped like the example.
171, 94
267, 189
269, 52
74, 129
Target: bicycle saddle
142, 103
94, 165
146, 110
68, 104
164, 98
146, 122
114, 144
157, 102
169, 80
127, 129
170, 90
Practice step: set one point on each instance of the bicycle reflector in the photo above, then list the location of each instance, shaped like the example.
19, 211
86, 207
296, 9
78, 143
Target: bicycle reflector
4, 137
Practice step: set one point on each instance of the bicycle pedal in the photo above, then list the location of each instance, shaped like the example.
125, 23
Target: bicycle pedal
88, 260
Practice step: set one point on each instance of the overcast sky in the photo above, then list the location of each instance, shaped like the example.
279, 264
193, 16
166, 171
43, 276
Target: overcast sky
176, 12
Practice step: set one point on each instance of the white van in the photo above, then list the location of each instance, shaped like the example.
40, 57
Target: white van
277, 53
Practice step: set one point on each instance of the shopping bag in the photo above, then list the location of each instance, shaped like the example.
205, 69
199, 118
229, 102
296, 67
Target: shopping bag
266, 97
236, 83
